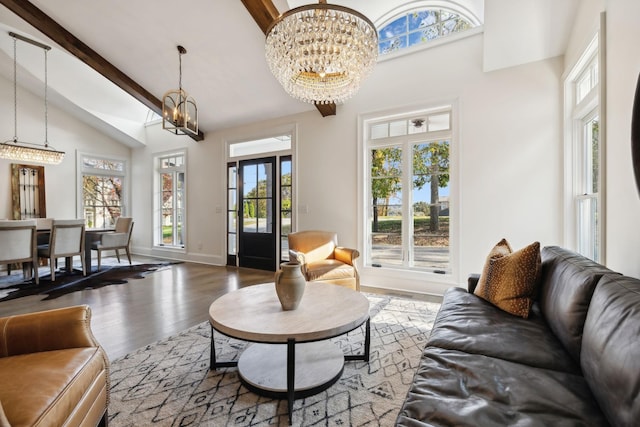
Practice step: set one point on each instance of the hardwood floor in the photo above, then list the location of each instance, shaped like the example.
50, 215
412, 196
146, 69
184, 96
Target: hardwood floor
132, 315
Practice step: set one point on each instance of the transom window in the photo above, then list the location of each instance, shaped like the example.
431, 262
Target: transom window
419, 26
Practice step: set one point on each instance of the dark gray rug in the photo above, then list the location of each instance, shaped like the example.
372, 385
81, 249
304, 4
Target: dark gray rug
169, 383
68, 282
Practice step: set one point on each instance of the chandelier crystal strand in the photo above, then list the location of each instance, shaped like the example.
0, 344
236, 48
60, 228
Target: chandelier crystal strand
321, 53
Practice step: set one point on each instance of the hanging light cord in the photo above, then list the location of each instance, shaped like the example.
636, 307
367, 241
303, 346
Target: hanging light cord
15, 93
46, 105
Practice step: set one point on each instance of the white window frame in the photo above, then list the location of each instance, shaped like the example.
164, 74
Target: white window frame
456, 8
577, 149
401, 278
82, 171
157, 199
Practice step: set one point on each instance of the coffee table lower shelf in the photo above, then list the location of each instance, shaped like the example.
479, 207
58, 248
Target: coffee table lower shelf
263, 368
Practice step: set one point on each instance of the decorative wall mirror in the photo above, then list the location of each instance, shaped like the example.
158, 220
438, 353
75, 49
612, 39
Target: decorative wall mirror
27, 191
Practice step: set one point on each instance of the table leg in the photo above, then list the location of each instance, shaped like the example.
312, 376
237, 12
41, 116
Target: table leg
291, 375
367, 345
213, 363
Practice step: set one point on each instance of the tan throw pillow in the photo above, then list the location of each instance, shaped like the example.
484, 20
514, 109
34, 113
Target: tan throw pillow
509, 279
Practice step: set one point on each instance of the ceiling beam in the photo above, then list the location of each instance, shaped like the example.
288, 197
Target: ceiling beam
58, 34
264, 13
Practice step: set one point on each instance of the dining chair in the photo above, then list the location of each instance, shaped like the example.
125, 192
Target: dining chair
120, 238
18, 245
65, 241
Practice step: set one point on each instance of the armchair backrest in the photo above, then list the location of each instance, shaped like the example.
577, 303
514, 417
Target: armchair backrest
67, 237
316, 245
17, 240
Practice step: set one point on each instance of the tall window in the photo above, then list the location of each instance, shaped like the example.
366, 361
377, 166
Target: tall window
408, 189
583, 123
102, 192
170, 200
420, 26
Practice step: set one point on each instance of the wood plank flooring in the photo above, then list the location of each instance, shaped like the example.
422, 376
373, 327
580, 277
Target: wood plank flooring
132, 315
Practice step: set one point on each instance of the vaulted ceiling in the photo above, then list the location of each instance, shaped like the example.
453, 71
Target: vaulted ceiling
224, 68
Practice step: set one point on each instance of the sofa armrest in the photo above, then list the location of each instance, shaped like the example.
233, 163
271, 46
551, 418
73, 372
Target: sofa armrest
46, 330
346, 255
472, 282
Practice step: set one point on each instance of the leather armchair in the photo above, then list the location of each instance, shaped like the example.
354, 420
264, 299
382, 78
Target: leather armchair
52, 370
322, 260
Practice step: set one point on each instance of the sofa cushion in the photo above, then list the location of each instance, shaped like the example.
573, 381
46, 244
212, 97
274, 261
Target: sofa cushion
44, 388
566, 286
453, 388
329, 269
470, 324
610, 355
509, 279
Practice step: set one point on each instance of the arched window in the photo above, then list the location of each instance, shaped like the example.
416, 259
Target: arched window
417, 26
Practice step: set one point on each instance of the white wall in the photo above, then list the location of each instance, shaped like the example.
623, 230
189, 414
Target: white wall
623, 203
508, 167
65, 134
622, 240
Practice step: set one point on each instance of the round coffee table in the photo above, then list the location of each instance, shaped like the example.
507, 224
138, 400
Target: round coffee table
292, 357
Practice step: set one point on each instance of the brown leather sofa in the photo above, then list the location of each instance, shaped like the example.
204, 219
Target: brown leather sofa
52, 370
574, 362
322, 260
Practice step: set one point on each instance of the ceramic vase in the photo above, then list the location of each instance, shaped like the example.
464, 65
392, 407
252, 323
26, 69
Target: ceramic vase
290, 284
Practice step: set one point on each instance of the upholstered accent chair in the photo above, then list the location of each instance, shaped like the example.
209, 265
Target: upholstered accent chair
18, 245
66, 240
322, 260
53, 372
119, 239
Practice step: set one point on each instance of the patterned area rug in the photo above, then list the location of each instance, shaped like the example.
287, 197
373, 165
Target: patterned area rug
169, 383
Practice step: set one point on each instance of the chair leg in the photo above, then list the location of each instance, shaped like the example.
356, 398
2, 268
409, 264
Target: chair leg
128, 254
52, 265
99, 258
118, 256
84, 267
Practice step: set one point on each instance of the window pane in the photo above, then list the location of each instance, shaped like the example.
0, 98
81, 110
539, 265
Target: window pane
392, 45
398, 128
439, 122
386, 207
422, 19
102, 200
418, 125
588, 236
380, 131
249, 219
395, 28
249, 180
231, 244
430, 195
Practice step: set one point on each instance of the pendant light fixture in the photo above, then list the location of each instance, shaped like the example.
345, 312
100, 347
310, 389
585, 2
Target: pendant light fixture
179, 110
26, 151
320, 53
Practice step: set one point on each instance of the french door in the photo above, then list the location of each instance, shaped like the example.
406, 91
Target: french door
257, 214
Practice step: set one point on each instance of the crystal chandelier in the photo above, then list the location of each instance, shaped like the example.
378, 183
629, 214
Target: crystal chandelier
27, 151
320, 53
179, 110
